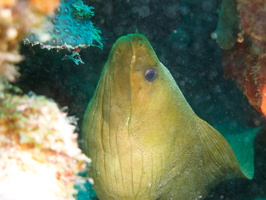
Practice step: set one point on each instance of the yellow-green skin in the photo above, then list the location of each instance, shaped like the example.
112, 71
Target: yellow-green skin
145, 141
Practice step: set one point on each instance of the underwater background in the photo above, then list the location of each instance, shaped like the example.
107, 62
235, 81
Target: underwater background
180, 32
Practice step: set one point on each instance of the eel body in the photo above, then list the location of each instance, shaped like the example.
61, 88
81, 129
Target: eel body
145, 141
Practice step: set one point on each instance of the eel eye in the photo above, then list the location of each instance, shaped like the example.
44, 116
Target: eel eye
150, 74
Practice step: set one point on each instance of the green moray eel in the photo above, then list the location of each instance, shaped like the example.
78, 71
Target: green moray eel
145, 141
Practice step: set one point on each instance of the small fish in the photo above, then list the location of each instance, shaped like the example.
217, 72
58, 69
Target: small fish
145, 141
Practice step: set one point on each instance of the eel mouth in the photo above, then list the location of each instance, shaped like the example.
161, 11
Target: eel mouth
119, 62
115, 85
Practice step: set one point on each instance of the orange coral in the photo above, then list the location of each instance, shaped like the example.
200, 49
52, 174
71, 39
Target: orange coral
263, 103
249, 72
245, 62
46, 7
253, 15
7, 3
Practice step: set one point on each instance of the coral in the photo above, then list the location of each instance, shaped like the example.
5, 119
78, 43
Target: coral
75, 57
46, 7
17, 18
39, 154
38, 150
7, 3
69, 28
227, 29
253, 15
12, 28
81, 11
245, 59
248, 69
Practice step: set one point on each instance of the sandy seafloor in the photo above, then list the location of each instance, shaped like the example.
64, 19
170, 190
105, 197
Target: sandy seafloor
180, 32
